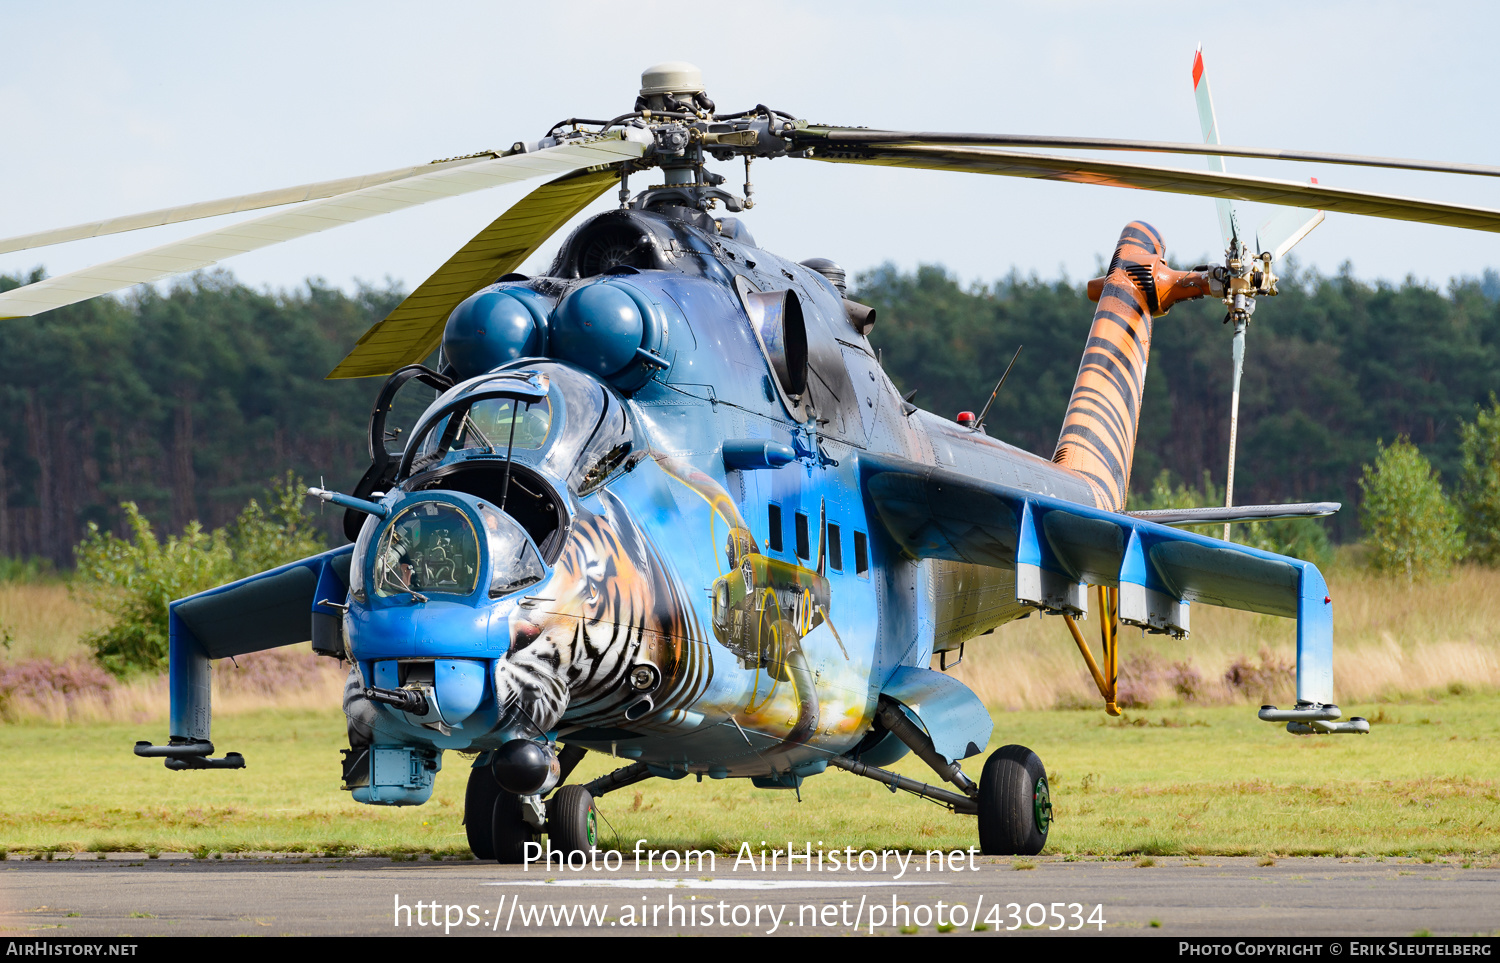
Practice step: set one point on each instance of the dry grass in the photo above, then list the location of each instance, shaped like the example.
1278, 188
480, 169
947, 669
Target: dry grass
307, 682
46, 675
1390, 640
44, 620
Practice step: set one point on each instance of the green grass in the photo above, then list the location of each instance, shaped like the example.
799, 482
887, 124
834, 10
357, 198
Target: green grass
1160, 782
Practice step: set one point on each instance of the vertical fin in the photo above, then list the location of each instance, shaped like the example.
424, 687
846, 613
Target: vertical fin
1098, 434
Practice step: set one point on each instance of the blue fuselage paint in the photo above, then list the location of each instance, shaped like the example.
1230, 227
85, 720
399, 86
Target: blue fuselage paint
832, 621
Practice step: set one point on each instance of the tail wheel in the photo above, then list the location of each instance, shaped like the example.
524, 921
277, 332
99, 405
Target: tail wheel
1015, 804
479, 810
572, 820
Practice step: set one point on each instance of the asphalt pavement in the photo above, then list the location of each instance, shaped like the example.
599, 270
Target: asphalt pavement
130, 895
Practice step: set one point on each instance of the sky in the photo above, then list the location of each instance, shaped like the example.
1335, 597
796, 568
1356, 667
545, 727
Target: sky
110, 109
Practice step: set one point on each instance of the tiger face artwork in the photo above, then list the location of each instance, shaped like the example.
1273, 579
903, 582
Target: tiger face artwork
610, 608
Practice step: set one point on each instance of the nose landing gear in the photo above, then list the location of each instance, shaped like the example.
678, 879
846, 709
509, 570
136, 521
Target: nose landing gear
499, 824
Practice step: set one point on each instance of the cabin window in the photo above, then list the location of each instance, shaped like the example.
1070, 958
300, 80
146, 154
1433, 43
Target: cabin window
773, 517
835, 549
607, 451
861, 554
802, 544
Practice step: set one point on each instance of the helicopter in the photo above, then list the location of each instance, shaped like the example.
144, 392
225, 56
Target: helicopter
667, 505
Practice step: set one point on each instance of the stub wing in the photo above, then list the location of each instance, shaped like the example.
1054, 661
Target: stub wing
1058, 548
283, 606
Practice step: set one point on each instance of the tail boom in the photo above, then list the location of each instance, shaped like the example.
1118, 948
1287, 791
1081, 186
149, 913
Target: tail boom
1098, 433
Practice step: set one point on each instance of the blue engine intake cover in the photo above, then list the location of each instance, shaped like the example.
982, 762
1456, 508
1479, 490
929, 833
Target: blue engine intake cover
494, 327
612, 328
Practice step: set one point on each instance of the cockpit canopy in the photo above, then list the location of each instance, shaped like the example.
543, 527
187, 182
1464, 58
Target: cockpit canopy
546, 415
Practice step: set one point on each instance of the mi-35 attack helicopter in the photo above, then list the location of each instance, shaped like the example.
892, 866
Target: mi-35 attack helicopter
668, 506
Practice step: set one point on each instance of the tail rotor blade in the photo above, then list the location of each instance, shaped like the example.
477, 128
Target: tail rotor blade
1229, 224
1285, 229
1234, 414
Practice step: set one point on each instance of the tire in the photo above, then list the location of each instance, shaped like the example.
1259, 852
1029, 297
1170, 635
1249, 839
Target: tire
509, 833
572, 821
1015, 804
479, 811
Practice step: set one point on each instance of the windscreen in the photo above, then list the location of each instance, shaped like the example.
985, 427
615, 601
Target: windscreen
430, 548
580, 432
493, 425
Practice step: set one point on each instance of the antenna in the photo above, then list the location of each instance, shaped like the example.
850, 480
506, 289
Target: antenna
979, 424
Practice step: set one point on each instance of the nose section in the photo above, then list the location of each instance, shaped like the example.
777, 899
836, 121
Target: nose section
459, 685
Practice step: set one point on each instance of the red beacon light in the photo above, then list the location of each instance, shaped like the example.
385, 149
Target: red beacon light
967, 419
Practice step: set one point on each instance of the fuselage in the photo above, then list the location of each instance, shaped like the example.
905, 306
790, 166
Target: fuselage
697, 617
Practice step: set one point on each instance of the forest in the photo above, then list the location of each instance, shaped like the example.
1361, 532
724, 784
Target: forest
190, 400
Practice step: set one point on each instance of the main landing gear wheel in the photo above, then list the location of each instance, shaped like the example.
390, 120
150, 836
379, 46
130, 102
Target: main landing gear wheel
1015, 805
572, 821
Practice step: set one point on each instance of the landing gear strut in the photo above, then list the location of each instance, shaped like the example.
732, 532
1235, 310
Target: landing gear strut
1012, 799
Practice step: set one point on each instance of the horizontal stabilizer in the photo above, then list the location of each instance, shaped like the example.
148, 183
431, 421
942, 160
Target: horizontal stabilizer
1238, 513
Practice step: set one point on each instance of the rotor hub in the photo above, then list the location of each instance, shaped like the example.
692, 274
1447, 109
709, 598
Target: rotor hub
675, 86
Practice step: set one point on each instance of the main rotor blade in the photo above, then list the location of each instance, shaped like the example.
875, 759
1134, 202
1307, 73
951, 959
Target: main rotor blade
202, 250
858, 136
1168, 179
228, 205
411, 332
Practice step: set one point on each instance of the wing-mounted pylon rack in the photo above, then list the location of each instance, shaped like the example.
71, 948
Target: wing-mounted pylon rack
190, 754
1316, 720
